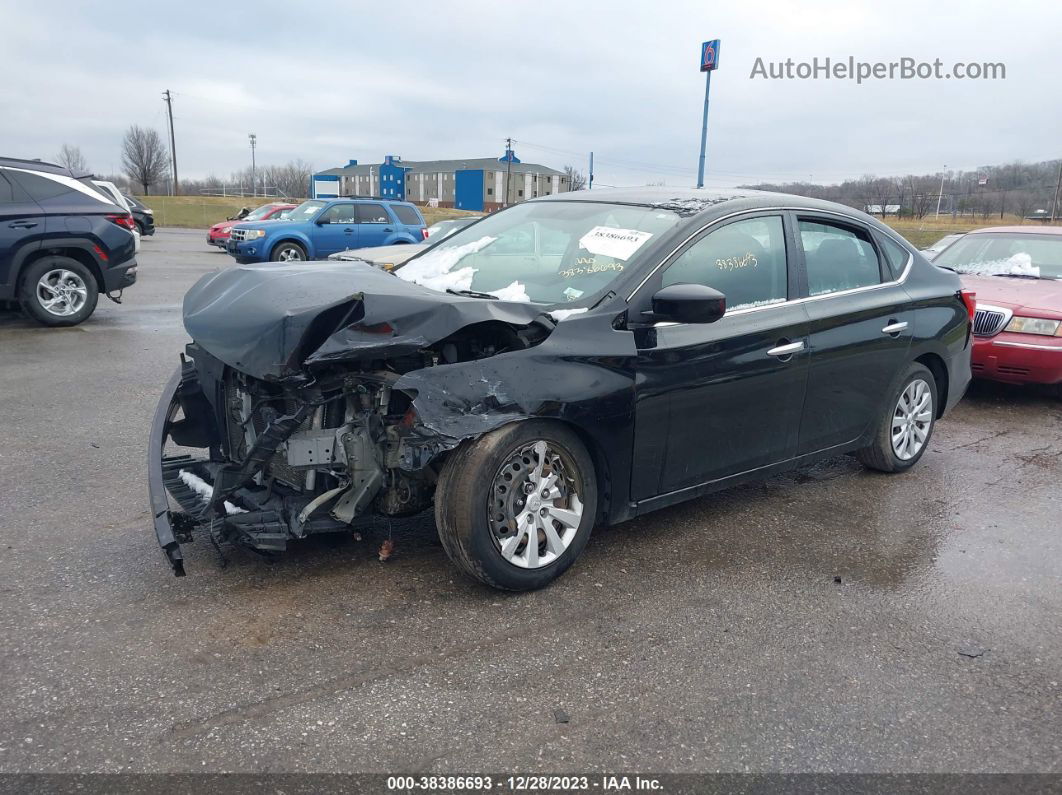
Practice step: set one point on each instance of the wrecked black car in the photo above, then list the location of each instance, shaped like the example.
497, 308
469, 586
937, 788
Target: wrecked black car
572, 361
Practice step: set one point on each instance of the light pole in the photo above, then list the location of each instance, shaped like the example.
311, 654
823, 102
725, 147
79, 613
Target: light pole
940, 195
253, 139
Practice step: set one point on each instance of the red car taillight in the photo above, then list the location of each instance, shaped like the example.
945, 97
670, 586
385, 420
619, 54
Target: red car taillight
125, 221
424, 232
969, 298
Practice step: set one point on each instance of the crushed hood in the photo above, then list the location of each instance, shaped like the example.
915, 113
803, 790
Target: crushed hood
270, 321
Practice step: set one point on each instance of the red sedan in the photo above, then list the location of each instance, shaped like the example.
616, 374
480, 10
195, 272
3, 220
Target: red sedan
218, 234
1016, 272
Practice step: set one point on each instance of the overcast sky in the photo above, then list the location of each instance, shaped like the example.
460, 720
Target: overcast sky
327, 82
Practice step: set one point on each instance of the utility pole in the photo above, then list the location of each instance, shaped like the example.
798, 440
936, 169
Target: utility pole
508, 167
173, 146
254, 189
1058, 185
590, 179
940, 195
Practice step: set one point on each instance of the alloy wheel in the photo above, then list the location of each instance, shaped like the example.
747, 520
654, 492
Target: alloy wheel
912, 419
61, 292
534, 508
289, 255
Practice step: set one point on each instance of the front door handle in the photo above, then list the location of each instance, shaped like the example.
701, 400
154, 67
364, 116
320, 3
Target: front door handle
788, 349
348, 230
22, 224
894, 327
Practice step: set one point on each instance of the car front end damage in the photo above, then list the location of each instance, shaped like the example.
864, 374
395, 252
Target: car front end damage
318, 419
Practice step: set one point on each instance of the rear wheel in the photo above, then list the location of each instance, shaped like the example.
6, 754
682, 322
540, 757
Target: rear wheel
904, 431
288, 252
515, 507
58, 291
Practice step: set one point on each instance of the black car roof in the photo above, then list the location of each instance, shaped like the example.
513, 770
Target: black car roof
36, 165
693, 201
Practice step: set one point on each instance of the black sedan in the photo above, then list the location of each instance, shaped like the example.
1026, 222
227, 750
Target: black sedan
142, 215
575, 360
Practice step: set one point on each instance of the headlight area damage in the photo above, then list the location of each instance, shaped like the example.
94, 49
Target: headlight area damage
310, 414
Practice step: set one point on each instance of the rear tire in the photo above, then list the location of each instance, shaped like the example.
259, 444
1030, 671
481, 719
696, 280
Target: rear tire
288, 252
58, 291
906, 425
502, 492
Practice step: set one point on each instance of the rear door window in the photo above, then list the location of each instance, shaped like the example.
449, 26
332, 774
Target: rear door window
407, 215
744, 260
340, 214
6, 194
372, 214
837, 257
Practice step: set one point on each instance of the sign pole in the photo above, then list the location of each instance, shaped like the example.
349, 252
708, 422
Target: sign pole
709, 63
704, 128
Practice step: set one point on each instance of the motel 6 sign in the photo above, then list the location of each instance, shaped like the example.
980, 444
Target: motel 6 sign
710, 55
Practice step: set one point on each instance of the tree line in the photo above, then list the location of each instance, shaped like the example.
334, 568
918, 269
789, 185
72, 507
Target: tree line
146, 170
1023, 189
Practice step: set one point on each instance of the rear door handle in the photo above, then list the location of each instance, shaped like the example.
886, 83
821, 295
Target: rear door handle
787, 350
388, 229
348, 230
22, 224
894, 327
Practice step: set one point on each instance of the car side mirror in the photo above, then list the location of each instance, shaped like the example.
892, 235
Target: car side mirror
322, 221
688, 303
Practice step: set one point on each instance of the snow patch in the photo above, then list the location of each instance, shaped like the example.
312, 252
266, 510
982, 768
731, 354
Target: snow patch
755, 304
205, 490
1019, 264
514, 292
561, 314
435, 269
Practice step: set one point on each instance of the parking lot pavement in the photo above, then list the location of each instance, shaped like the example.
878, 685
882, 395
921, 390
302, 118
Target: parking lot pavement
832, 619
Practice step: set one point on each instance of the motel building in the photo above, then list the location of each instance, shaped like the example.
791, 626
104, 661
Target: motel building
477, 184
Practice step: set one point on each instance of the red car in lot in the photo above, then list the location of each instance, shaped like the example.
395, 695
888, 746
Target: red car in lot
218, 234
1016, 272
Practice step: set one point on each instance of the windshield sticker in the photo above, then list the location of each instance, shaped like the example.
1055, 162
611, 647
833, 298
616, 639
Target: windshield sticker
611, 242
571, 293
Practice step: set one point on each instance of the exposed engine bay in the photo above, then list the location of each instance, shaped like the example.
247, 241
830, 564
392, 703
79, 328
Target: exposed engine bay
327, 448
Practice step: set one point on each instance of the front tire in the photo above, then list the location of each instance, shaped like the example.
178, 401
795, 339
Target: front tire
515, 507
903, 433
58, 291
288, 252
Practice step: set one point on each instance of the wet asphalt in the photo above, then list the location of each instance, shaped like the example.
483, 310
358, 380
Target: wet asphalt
829, 620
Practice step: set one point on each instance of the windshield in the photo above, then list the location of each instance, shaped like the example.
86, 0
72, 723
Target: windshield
1003, 254
306, 210
261, 212
553, 252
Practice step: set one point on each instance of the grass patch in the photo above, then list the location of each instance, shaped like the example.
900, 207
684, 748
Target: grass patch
926, 232
200, 212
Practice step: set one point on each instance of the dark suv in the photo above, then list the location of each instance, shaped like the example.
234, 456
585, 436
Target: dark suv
62, 242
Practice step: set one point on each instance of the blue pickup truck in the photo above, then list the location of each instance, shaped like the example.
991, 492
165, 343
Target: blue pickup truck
319, 227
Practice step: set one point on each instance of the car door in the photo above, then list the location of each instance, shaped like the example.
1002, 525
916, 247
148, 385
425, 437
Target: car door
21, 226
719, 399
374, 224
860, 330
336, 230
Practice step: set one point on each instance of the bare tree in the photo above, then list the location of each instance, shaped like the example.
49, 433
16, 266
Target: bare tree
144, 156
71, 158
576, 178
